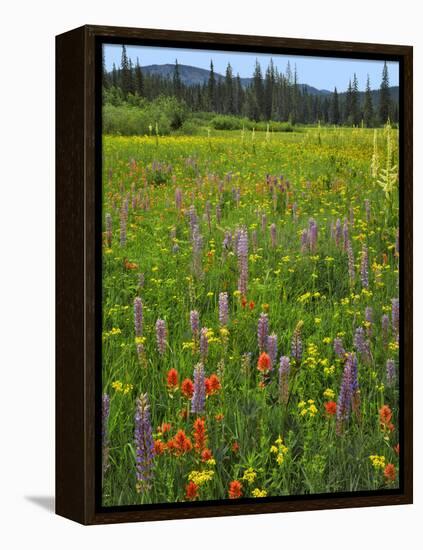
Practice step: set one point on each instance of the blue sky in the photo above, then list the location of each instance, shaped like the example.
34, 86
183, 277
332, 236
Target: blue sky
320, 72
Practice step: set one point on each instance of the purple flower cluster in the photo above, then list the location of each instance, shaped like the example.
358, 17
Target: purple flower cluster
178, 198
361, 344
273, 235
198, 401
223, 308
109, 230
395, 315
364, 268
262, 332
161, 335
385, 329
348, 394
272, 347
338, 348
312, 234
138, 316
338, 232
144, 444
204, 343
345, 233
368, 315
194, 319
390, 372
351, 266
105, 413
297, 345
242, 253
284, 378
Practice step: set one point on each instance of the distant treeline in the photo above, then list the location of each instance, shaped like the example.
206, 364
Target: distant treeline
273, 96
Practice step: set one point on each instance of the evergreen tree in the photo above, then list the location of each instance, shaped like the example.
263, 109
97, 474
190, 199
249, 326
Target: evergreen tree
355, 106
229, 91
348, 105
258, 91
269, 85
125, 74
368, 105
139, 79
114, 76
211, 89
385, 99
177, 83
335, 116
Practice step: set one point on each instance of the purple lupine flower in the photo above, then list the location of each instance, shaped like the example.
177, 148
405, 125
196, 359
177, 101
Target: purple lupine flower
263, 222
368, 315
242, 252
338, 348
304, 240
204, 343
312, 234
348, 394
109, 230
272, 347
361, 344
144, 444
227, 241
138, 316
367, 209
351, 266
262, 331
105, 413
395, 315
390, 372
161, 335
194, 319
338, 232
123, 218
223, 308
218, 212
284, 378
364, 269
297, 344
197, 246
273, 235
345, 232
198, 401
385, 329
192, 218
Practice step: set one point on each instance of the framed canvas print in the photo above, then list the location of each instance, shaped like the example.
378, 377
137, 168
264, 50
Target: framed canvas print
234, 274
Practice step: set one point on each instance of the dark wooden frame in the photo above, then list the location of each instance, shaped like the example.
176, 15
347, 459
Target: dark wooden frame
77, 284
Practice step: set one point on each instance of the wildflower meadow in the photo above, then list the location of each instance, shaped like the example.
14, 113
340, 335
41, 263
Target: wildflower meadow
250, 314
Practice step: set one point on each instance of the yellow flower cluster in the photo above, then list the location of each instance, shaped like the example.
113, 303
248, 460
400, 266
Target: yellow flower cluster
259, 493
377, 461
279, 449
329, 394
120, 387
249, 475
113, 332
201, 477
308, 408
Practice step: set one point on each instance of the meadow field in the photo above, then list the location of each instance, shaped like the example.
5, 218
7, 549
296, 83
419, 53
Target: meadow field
250, 314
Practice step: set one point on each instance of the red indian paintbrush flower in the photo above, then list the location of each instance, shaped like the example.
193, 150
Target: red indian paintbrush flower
330, 408
206, 455
200, 434
264, 363
187, 388
235, 489
212, 384
191, 491
172, 379
389, 472
181, 444
385, 416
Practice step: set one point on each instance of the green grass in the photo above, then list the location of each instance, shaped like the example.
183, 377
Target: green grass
329, 177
